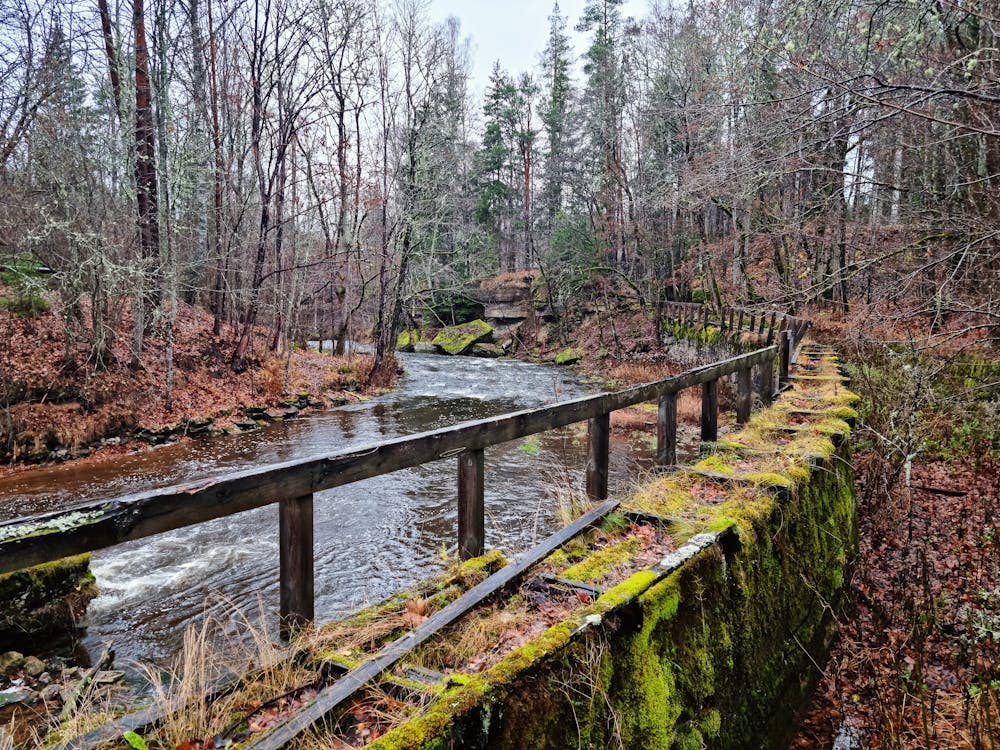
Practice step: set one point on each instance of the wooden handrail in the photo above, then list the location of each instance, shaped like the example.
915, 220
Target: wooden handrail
104, 523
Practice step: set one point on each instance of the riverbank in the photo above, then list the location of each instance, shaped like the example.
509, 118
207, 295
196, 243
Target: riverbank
56, 404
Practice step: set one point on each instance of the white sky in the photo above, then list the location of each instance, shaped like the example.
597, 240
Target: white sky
513, 31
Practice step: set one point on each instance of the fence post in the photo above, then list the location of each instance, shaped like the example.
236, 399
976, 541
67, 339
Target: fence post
744, 395
666, 431
767, 381
785, 356
295, 541
471, 504
739, 326
770, 330
710, 411
599, 436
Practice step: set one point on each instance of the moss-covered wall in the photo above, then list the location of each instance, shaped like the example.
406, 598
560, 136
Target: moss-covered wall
720, 652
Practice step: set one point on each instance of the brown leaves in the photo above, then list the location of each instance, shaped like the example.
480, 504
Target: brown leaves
416, 612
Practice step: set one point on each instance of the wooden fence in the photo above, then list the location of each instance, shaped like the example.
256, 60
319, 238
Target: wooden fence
104, 523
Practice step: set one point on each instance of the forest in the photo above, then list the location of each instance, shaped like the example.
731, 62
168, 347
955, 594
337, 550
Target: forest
321, 167
191, 181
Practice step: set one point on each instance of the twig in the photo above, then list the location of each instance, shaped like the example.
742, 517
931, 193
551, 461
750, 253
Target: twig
106, 660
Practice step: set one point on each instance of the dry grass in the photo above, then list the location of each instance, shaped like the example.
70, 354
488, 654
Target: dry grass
210, 657
475, 636
635, 372
634, 418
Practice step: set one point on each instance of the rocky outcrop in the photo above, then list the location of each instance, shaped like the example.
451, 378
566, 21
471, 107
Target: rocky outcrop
513, 297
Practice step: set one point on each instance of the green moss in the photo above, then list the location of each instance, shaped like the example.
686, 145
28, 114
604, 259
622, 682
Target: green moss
457, 339
568, 356
602, 562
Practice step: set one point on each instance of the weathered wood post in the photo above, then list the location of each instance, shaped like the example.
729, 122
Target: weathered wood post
710, 411
785, 354
732, 316
744, 395
739, 326
666, 431
295, 566
770, 329
767, 381
471, 504
704, 316
763, 323
599, 437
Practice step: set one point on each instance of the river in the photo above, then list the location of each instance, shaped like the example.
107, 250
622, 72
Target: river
372, 538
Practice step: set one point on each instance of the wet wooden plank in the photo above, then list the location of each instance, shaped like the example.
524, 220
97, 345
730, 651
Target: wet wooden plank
296, 566
710, 411
471, 504
666, 431
333, 696
744, 395
599, 442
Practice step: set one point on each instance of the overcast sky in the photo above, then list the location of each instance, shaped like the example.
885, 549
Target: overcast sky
513, 31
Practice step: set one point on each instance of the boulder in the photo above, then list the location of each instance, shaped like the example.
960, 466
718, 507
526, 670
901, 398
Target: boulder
407, 340
33, 666
568, 356
10, 662
459, 339
424, 347
489, 351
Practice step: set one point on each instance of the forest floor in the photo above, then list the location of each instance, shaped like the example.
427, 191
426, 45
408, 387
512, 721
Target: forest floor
56, 404
917, 663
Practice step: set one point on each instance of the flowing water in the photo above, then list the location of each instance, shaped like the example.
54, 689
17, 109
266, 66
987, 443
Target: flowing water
372, 538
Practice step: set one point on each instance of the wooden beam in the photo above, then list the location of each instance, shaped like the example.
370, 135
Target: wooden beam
599, 440
296, 568
471, 505
710, 411
666, 431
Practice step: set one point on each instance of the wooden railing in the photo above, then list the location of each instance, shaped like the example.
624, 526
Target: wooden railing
104, 523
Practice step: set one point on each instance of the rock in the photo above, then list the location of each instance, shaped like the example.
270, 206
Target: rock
245, 425
459, 339
33, 666
199, 426
51, 693
10, 662
424, 347
568, 356
71, 673
45, 678
406, 340
289, 412
108, 677
15, 695
255, 412
489, 351
510, 310
274, 415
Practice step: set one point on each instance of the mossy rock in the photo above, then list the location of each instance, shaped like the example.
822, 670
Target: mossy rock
44, 602
488, 351
406, 340
459, 339
568, 356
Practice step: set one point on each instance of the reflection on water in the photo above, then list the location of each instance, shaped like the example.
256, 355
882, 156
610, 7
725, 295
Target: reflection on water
371, 538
